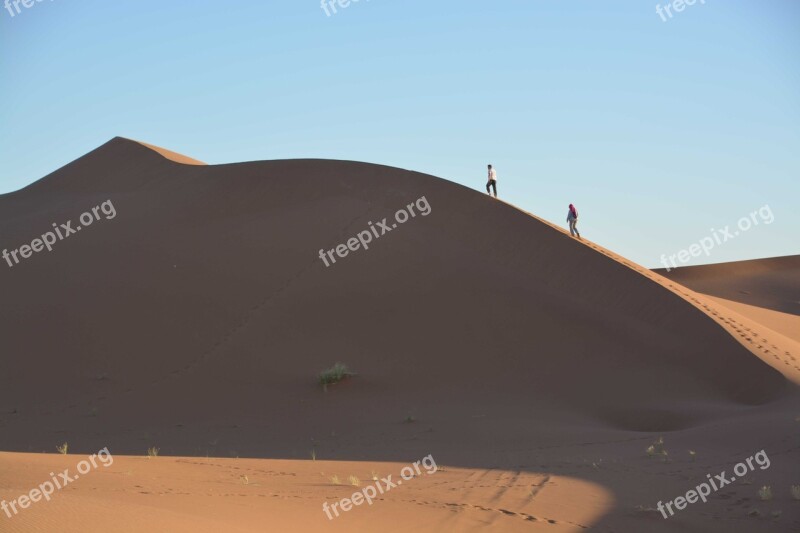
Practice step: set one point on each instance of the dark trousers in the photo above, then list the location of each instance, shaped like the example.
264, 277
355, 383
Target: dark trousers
493, 185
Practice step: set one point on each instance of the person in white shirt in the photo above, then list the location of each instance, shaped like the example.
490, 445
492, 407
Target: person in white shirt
492, 182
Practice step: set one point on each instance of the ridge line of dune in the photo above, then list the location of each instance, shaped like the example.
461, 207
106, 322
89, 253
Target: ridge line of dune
735, 324
169, 154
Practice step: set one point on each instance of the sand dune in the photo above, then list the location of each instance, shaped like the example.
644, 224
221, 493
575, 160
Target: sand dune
772, 335
772, 283
783, 323
198, 317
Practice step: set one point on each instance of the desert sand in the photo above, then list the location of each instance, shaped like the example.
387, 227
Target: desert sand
535, 368
768, 283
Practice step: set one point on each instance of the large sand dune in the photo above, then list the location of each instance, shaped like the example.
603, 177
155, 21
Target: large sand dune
198, 317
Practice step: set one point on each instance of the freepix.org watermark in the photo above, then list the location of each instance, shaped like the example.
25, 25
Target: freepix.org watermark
329, 6
382, 486
703, 490
59, 233
56, 482
365, 237
677, 6
706, 244
12, 6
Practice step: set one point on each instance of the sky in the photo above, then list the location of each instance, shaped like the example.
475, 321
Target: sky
662, 129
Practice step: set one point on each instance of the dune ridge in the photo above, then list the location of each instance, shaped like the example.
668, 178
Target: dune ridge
172, 156
198, 321
771, 283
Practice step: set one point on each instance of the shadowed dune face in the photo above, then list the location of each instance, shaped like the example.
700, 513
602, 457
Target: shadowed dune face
197, 318
772, 283
204, 304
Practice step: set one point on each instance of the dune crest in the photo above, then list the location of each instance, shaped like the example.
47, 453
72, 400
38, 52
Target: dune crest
532, 364
172, 156
771, 283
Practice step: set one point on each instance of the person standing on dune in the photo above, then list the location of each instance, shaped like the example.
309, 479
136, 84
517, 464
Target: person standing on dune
572, 219
492, 181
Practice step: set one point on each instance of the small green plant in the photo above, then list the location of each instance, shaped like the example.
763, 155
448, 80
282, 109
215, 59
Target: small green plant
410, 419
152, 452
795, 490
334, 374
63, 449
776, 515
335, 480
354, 481
765, 493
657, 450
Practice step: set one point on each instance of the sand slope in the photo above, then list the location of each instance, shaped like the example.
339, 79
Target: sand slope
783, 323
245, 495
197, 319
772, 283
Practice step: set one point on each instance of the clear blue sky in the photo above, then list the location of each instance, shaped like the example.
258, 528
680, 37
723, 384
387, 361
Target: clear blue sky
657, 131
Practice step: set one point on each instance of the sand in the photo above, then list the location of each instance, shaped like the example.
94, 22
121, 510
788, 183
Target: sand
768, 283
536, 368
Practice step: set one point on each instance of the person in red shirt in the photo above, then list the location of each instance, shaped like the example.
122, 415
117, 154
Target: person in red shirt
572, 219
